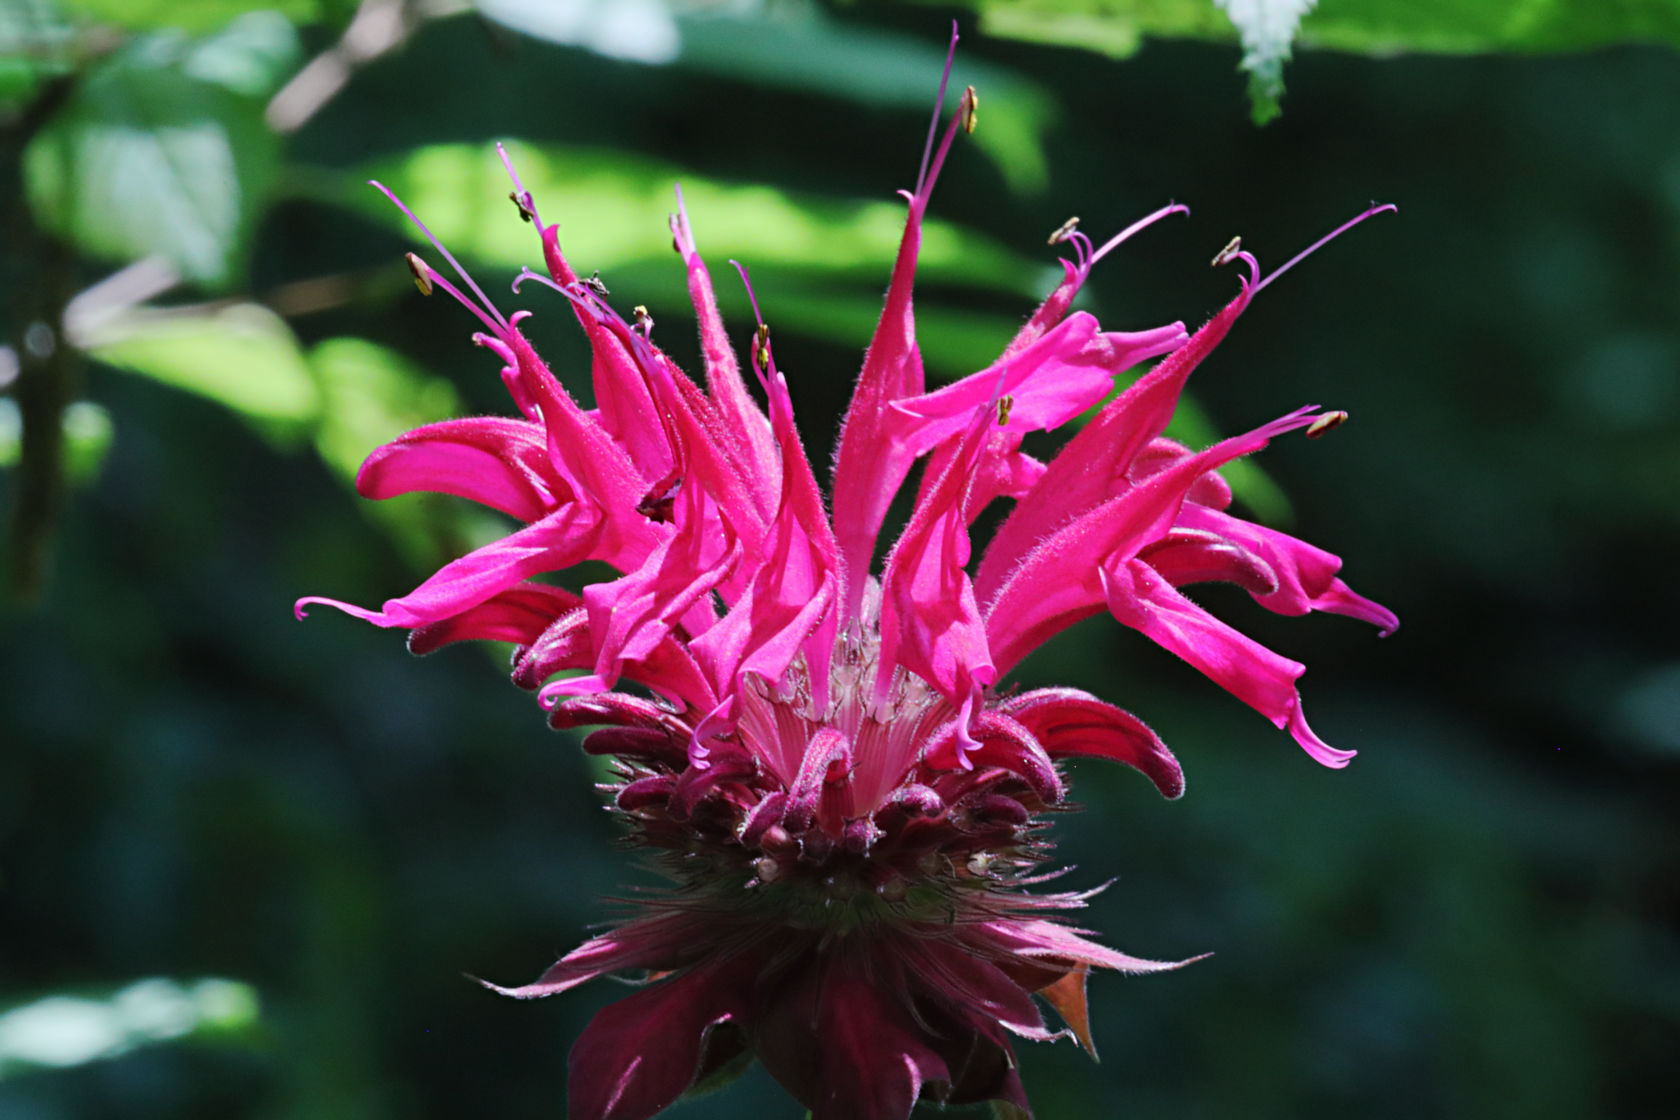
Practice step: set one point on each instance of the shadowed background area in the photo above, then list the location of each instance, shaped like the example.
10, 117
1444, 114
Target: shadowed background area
244, 861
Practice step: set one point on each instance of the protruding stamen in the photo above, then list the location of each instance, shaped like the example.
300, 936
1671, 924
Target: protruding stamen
643, 319
1004, 405
761, 346
447, 255
1372, 212
1062, 232
1327, 422
938, 108
1136, 227
521, 197
421, 272
969, 109
1227, 254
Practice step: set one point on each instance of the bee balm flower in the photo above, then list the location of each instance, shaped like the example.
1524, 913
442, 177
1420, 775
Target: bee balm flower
822, 756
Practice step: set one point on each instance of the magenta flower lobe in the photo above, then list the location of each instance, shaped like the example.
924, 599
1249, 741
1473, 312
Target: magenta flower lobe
822, 756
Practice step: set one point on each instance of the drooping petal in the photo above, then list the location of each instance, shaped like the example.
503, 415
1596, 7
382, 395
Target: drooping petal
1058, 583
497, 462
1306, 575
519, 615
1074, 724
565, 537
1141, 598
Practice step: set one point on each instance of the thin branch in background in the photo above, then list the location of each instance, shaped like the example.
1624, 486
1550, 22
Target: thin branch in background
377, 26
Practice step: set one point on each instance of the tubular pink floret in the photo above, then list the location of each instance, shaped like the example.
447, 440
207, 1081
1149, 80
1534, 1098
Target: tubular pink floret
439, 246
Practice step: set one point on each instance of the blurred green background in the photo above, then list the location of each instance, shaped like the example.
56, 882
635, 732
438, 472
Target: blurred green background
244, 861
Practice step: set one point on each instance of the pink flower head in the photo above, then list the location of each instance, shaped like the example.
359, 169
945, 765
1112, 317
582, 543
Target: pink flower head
822, 754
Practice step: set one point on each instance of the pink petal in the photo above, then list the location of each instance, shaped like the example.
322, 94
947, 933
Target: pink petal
1141, 598
743, 420
519, 615
565, 537
930, 622
869, 466
1058, 582
1306, 575
1002, 742
498, 462
1092, 467
1073, 724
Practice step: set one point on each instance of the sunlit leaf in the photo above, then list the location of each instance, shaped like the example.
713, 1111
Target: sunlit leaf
1381, 27
61, 1031
243, 356
818, 262
149, 158
372, 394
192, 16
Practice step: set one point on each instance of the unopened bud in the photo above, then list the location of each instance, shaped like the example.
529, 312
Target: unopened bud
1064, 231
1326, 422
1232, 248
970, 109
421, 273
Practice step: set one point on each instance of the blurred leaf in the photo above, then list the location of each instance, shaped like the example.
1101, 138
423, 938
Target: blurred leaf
804, 252
192, 16
796, 46
631, 30
372, 394
1380, 27
35, 43
149, 157
243, 356
61, 1031
253, 55
87, 437
872, 66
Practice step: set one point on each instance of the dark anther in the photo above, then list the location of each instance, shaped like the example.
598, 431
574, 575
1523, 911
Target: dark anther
1232, 248
1064, 231
595, 284
422, 274
525, 210
970, 109
1327, 422
656, 505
